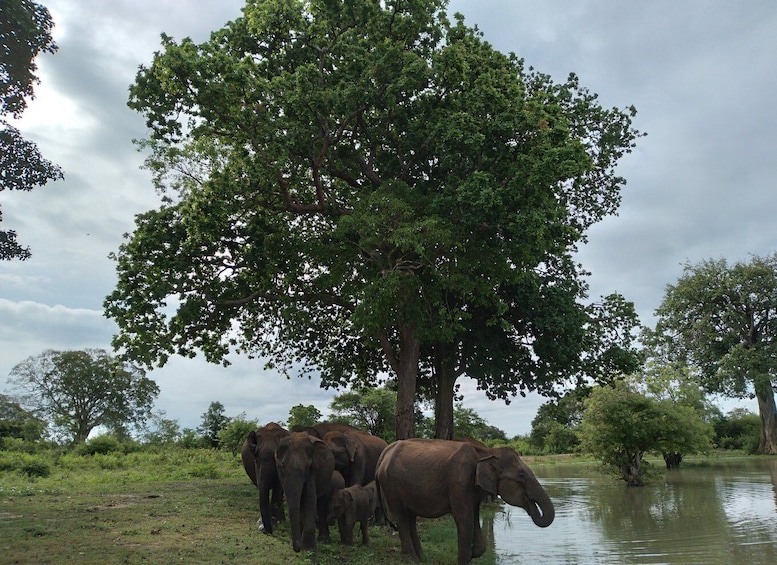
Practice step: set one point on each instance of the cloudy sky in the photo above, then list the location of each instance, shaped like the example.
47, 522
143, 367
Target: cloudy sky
702, 74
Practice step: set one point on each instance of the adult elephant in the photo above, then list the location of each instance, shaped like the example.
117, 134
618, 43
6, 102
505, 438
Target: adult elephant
433, 477
320, 430
258, 455
306, 467
356, 455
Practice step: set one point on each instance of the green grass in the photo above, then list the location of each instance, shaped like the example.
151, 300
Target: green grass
175, 506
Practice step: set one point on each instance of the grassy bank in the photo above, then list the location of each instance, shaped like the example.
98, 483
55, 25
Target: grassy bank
176, 506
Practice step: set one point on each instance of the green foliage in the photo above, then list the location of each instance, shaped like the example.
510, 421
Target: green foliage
161, 431
369, 409
739, 429
31, 465
620, 425
80, 390
232, 436
555, 427
15, 422
467, 423
213, 421
721, 320
102, 445
356, 202
303, 416
25, 32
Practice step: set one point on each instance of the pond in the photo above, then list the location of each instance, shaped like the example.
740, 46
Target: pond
724, 512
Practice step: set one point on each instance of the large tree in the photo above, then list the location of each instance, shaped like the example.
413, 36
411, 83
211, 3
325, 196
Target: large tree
25, 31
722, 320
360, 187
80, 390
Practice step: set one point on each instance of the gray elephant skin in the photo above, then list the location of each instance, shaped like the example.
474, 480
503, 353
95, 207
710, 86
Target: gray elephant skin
356, 455
306, 467
353, 504
432, 477
258, 455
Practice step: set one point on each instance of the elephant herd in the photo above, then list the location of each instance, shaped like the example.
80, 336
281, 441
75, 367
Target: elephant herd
336, 473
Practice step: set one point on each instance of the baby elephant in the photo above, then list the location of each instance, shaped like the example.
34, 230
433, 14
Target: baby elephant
350, 505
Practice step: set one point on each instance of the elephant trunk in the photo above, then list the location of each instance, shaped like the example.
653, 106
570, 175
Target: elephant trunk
267, 478
541, 508
293, 501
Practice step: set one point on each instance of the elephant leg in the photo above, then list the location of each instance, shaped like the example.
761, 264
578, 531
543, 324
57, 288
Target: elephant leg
365, 531
265, 509
343, 528
348, 524
478, 540
323, 524
415, 540
308, 512
277, 502
408, 536
464, 528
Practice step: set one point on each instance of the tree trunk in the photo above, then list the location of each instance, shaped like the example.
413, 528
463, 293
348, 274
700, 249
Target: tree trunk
407, 374
767, 409
631, 472
673, 460
445, 383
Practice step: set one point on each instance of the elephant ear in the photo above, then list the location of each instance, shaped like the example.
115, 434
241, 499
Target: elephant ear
351, 446
348, 498
253, 441
486, 475
321, 453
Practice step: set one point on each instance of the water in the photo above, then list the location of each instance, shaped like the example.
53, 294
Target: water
725, 513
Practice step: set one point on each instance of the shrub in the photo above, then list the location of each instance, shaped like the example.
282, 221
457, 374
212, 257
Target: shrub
232, 436
36, 467
101, 444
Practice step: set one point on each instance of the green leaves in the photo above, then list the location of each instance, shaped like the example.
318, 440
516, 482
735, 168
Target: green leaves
337, 171
25, 31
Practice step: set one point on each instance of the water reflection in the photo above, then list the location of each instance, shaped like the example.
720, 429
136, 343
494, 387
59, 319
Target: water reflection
724, 513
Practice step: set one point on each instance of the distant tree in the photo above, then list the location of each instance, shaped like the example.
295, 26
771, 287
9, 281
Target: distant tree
213, 420
621, 425
369, 409
16, 422
738, 429
303, 416
679, 386
232, 436
25, 31
80, 390
555, 427
467, 423
721, 320
161, 430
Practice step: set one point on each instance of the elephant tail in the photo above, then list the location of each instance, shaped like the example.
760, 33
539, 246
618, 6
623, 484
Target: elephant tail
383, 507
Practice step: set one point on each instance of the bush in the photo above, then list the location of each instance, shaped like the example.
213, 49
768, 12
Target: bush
101, 444
232, 436
25, 463
36, 467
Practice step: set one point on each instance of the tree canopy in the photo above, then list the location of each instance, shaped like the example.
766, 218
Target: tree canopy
721, 320
213, 421
301, 416
369, 409
360, 187
80, 390
25, 32
621, 424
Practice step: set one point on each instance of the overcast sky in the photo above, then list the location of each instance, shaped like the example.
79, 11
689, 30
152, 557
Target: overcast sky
701, 73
